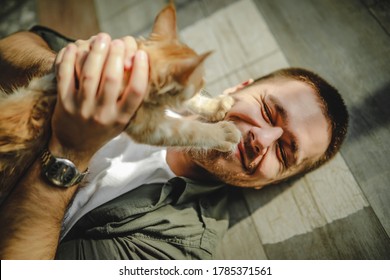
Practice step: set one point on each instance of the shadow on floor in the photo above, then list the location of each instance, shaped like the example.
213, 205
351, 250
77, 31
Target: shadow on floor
370, 114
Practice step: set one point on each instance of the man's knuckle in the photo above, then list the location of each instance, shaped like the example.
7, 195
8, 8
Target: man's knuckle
97, 119
84, 113
79, 42
102, 119
60, 76
112, 79
87, 81
137, 92
123, 119
130, 41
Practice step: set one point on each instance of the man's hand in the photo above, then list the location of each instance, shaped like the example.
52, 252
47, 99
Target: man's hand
95, 106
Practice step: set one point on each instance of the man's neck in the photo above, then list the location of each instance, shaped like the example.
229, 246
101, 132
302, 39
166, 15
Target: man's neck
183, 165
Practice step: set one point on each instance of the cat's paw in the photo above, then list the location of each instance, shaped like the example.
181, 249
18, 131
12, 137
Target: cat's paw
223, 103
228, 136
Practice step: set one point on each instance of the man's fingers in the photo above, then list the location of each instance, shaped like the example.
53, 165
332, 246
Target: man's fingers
112, 78
58, 60
83, 48
138, 84
65, 74
91, 73
130, 49
140, 74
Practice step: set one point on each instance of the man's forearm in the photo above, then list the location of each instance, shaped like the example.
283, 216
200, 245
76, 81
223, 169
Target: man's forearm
23, 55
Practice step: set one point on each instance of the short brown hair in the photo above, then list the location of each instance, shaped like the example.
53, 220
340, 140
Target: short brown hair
333, 107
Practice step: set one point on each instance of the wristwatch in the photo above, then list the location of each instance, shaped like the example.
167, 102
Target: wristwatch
60, 172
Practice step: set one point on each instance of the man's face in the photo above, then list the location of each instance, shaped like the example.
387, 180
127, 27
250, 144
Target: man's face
282, 127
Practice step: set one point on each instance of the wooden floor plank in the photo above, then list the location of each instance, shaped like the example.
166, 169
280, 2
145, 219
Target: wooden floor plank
231, 38
16, 15
301, 206
135, 19
253, 70
241, 242
339, 240
319, 208
381, 11
73, 18
107, 10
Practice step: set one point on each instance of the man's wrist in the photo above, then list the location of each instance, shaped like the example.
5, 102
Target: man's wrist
80, 159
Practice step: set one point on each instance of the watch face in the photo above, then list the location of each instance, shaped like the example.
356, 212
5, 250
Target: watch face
61, 172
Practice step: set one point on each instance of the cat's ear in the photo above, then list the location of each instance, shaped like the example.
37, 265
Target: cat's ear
184, 68
165, 23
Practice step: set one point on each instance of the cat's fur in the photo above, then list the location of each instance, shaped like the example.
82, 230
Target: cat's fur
176, 75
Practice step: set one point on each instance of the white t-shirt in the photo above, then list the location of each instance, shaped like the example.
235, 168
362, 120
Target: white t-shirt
118, 167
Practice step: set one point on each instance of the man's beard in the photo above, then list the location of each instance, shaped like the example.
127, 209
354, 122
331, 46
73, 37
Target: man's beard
215, 163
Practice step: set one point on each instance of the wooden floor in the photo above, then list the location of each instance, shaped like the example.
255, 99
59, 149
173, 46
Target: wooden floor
342, 210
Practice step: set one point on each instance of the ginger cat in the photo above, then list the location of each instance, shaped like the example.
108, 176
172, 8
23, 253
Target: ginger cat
176, 75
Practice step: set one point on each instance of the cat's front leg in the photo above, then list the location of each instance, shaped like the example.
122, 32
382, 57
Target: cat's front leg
212, 109
226, 136
222, 136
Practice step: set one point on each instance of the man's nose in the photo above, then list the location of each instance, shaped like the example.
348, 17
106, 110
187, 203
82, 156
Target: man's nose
263, 137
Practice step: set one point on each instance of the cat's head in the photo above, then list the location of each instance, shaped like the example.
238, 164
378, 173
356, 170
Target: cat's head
174, 67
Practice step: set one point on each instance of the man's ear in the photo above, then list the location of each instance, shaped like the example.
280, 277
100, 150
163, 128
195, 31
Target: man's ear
237, 87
